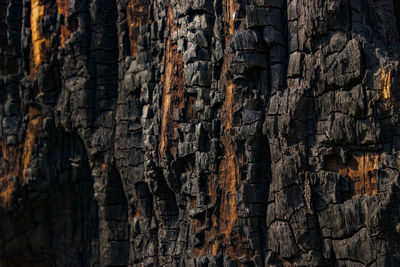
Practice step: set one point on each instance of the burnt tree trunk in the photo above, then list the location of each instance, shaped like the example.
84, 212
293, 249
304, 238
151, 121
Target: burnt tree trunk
199, 133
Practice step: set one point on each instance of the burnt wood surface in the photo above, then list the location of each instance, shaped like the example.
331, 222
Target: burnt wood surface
199, 133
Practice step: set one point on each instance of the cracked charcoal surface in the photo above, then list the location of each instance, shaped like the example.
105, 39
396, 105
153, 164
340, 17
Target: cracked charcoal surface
199, 133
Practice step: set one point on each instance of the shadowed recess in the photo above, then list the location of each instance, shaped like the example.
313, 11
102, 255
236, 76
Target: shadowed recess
56, 226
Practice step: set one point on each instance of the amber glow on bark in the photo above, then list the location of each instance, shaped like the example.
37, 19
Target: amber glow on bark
364, 174
18, 158
173, 90
362, 170
62, 8
39, 43
136, 15
386, 83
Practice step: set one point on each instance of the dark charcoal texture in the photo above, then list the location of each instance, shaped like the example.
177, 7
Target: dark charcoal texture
199, 133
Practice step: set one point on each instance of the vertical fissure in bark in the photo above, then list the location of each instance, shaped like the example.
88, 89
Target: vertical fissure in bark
3, 36
115, 249
350, 17
396, 6
104, 57
9, 27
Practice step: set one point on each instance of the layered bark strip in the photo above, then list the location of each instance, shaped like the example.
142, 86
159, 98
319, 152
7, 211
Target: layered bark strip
137, 16
62, 9
173, 90
199, 133
40, 44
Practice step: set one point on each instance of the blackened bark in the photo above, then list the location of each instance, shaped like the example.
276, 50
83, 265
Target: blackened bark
199, 133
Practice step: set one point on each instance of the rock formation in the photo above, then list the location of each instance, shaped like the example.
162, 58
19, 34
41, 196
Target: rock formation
199, 133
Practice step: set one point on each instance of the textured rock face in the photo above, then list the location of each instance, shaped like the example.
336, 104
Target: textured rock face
199, 133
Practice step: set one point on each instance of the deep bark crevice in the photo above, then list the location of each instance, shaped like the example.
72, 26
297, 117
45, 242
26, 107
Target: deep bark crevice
58, 204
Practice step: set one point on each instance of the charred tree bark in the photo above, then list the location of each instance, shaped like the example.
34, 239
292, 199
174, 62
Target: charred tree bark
199, 133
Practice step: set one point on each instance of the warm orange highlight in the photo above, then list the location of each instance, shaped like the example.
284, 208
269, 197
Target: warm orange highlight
225, 224
229, 168
363, 172
7, 172
210, 246
6, 189
32, 132
10, 162
103, 166
385, 83
229, 182
230, 175
137, 213
362, 169
62, 8
40, 44
136, 15
173, 90
229, 9
15, 160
